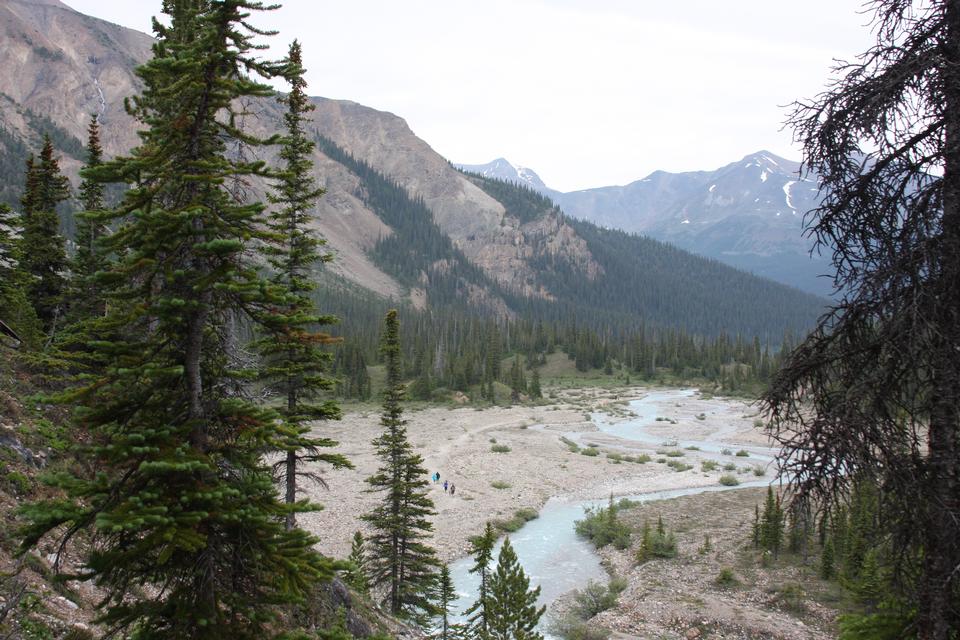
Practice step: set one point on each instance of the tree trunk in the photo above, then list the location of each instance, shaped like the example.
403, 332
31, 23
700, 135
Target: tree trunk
942, 548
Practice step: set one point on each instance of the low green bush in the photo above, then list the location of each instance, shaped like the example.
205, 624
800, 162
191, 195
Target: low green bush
729, 480
500, 448
726, 578
602, 527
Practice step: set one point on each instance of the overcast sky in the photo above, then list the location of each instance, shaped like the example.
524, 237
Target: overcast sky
587, 93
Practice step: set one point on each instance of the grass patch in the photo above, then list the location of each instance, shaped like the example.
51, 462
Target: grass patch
592, 452
500, 484
743, 453
709, 465
679, 466
520, 518
729, 480
500, 448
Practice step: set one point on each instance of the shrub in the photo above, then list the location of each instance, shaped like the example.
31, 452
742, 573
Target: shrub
616, 457
18, 482
726, 452
642, 459
520, 518
701, 416
656, 544
594, 598
674, 454
571, 445
602, 527
572, 627
708, 465
729, 467
759, 471
679, 466
726, 578
590, 451
729, 480
692, 448
500, 448
743, 453
500, 484
493, 440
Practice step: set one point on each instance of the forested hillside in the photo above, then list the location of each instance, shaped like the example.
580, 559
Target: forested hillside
657, 283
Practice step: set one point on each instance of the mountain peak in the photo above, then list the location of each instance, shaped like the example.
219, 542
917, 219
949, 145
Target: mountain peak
503, 169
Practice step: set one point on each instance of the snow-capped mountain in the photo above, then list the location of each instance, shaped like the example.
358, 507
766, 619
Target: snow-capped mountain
501, 169
748, 214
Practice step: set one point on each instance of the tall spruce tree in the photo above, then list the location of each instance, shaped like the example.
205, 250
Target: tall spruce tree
482, 549
43, 250
445, 594
187, 528
401, 564
295, 361
86, 299
15, 309
512, 608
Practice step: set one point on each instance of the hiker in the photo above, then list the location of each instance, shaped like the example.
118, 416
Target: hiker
436, 477
453, 488
444, 486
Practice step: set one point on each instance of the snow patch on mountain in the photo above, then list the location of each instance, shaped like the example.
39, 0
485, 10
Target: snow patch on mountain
786, 192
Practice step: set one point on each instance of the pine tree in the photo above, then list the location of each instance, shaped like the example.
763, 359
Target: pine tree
295, 362
189, 530
86, 299
356, 575
827, 560
512, 607
445, 594
401, 563
43, 251
15, 308
481, 547
535, 391
772, 524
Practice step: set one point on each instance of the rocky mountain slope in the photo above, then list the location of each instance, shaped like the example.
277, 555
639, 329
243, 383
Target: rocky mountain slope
482, 253
748, 214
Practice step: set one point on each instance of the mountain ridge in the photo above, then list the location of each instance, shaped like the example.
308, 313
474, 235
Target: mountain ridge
66, 79
747, 213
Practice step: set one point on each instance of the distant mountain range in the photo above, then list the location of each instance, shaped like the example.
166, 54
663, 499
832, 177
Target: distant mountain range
748, 214
401, 221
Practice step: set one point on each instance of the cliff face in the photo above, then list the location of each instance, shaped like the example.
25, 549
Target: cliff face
69, 66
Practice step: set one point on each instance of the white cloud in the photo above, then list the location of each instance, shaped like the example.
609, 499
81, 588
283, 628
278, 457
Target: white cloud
585, 92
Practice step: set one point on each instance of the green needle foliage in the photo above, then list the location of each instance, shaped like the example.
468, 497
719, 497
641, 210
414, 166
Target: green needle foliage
15, 309
43, 251
482, 549
356, 575
86, 299
445, 594
295, 361
401, 563
189, 537
512, 607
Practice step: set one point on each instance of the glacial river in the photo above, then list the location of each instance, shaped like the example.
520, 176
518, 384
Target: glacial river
549, 550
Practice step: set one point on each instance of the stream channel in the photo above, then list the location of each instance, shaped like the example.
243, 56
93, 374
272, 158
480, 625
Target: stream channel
548, 548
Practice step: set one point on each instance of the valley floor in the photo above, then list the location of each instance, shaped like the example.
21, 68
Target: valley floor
458, 442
